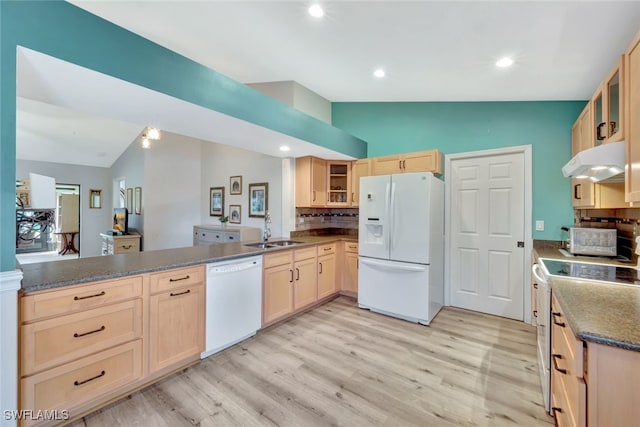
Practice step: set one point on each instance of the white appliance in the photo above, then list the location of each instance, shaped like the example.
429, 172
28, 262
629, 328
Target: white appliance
234, 302
543, 330
605, 162
401, 245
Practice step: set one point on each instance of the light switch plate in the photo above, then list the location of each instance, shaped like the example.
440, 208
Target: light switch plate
539, 225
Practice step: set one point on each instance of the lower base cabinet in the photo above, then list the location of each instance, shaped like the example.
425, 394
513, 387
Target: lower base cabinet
327, 270
350, 271
176, 316
82, 346
591, 384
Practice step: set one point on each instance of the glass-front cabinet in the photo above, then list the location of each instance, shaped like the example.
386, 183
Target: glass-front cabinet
598, 119
613, 96
338, 183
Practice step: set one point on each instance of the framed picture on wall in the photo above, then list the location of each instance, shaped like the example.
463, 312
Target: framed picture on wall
138, 200
216, 201
235, 214
235, 185
258, 199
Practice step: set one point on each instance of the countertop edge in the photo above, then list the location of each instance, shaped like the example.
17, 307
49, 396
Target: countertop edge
111, 265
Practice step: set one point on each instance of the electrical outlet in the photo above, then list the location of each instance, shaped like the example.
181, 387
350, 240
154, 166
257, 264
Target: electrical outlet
539, 225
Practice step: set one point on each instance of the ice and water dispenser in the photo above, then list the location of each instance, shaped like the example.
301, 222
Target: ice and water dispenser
373, 217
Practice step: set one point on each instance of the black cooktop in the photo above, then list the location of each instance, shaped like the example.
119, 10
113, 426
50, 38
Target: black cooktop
581, 270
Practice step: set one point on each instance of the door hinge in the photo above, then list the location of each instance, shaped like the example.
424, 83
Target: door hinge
520, 244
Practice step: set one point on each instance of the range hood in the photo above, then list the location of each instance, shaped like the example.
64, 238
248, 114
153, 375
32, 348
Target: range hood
605, 162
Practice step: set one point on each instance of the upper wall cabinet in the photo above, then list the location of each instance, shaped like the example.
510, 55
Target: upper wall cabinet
419, 161
359, 168
339, 180
311, 182
632, 123
613, 91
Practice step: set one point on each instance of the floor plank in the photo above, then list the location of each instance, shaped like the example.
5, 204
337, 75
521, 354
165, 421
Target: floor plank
340, 365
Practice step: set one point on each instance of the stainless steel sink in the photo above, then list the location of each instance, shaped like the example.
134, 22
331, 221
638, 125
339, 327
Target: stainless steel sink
285, 243
261, 245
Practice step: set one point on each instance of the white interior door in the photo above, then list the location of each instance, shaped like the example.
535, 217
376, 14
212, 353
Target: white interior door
487, 211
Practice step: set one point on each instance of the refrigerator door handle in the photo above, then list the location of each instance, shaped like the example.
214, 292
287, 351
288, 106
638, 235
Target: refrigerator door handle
392, 218
391, 267
387, 209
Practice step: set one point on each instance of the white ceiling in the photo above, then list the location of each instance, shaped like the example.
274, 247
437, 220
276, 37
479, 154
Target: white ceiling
431, 50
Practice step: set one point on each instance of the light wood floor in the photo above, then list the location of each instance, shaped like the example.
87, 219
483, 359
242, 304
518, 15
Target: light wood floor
340, 365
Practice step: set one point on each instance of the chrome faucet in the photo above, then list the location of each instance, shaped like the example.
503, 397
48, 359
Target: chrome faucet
267, 231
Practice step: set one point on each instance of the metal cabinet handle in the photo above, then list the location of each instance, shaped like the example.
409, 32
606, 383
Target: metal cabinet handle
576, 195
297, 273
557, 314
599, 135
535, 286
101, 374
404, 164
126, 247
90, 296
535, 313
291, 271
326, 249
314, 196
180, 293
555, 358
320, 272
180, 278
353, 195
77, 335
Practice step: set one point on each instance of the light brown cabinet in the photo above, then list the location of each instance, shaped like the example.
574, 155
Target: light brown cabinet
176, 316
339, 184
327, 270
419, 161
289, 282
350, 270
583, 190
591, 384
80, 343
632, 122
311, 182
614, 109
114, 245
359, 168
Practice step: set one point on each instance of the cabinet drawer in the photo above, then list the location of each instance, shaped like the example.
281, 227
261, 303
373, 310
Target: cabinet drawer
306, 253
59, 340
327, 249
74, 384
176, 278
351, 247
126, 245
277, 258
232, 236
211, 236
77, 298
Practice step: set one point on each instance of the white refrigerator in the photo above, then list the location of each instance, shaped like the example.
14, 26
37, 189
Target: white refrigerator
401, 245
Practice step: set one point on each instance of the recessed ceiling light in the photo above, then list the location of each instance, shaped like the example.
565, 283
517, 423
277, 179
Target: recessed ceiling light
146, 143
316, 11
284, 148
504, 62
379, 73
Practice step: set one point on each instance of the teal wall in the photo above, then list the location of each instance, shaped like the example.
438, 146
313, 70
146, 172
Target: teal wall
457, 127
65, 31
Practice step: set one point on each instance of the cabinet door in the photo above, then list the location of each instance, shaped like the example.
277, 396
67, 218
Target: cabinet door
359, 168
176, 326
587, 127
277, 295
632, 115
583, 193
318, 182
599, 122
614, 103
326, 275
386, 165
339, 184
350, 279
423, 161
305, 289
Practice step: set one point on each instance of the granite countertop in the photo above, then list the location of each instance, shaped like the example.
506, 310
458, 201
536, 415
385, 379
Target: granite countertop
54, 274
600, 312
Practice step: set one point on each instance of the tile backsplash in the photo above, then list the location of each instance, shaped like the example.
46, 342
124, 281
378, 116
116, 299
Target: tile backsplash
317, 218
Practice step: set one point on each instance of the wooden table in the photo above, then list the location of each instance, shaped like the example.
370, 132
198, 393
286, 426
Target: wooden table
68, 242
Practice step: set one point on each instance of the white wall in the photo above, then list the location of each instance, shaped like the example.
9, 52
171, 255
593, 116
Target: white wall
130, 167
92, 221
220, 162
298, 96
171, 193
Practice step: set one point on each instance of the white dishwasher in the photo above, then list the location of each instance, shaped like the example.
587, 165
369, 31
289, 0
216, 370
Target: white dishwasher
234, 302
